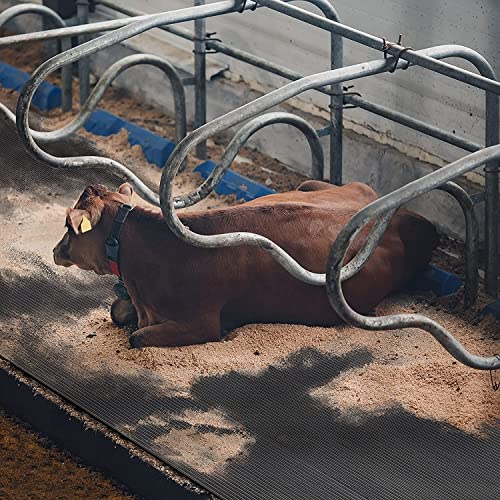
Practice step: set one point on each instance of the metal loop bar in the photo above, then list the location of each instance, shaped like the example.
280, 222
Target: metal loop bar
232, 239
87, 49
231, 119
371, 243
66, 71
471, 241
377, 208
238, 141
214, 9
104, 83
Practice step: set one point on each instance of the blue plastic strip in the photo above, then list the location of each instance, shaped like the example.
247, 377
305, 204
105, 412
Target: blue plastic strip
46, 97
493, 309
156, 149
437, 280
234, 183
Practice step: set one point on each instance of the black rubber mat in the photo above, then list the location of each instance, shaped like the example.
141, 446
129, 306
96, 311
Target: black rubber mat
299, 448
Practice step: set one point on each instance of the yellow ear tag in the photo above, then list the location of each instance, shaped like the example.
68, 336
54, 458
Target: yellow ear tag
85, 225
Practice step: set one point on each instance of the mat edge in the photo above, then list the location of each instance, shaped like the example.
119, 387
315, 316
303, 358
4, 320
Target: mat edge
89, 441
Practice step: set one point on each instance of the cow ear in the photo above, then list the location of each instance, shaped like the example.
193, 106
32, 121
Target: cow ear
126, 190
79, 220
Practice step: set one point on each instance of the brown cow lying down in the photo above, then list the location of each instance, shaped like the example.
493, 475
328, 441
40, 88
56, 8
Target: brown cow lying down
181, 294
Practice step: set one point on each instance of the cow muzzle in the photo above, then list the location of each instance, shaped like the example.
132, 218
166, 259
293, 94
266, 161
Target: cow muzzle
61, 254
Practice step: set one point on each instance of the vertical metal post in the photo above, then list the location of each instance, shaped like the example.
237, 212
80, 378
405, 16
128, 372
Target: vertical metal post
336, 99
82, 13
336, 113
66, 78
492, 205
200, 76
54, 47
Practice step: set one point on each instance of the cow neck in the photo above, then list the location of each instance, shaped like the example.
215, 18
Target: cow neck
112, 244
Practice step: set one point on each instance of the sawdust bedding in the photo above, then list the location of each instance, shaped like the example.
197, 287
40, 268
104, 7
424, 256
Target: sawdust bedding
409, 368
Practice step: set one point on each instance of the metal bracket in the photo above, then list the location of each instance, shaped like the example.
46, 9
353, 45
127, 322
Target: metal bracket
244, 4
220, 73
388, 45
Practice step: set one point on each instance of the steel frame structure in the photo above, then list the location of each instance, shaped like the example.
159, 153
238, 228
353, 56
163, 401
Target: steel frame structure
396, 57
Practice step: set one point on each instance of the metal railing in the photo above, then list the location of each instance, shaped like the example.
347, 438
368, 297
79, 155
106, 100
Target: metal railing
381, 209
331, 23
107, 78
66, 73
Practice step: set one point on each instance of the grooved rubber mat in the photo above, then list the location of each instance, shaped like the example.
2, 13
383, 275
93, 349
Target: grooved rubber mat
293, 447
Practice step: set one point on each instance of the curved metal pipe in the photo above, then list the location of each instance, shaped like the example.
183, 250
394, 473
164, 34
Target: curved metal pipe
32, 8
228, 120
471, 287
471, 242
336, 97
371, 243
241, 137
411, 56
87, 49
123, 172
377, 208
104, 83
214, 9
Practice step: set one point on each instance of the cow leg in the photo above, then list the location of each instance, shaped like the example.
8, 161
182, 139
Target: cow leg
123, 312
312, 185
177, 333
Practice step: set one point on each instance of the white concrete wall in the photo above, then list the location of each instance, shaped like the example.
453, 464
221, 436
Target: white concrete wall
449, 104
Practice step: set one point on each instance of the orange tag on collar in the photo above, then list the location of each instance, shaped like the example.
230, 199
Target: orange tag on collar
85, 225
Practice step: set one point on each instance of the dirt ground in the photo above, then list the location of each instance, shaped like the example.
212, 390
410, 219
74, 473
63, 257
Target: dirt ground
32, 468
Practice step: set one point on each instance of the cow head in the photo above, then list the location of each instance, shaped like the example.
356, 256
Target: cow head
88, 225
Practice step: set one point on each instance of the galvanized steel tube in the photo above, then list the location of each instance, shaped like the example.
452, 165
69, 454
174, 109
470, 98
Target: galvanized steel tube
104, 83
230, 119
213, 9
471, 287
376, 209
412, 56
200, 79
66, 71
26, 96
238, 141
82, 13
412, 123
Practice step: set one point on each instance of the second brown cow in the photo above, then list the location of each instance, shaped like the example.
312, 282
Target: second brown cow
181, 294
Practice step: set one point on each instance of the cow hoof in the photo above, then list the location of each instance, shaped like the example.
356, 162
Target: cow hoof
123, 313
136, 341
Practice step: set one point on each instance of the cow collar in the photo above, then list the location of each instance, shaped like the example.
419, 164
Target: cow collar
112, 243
